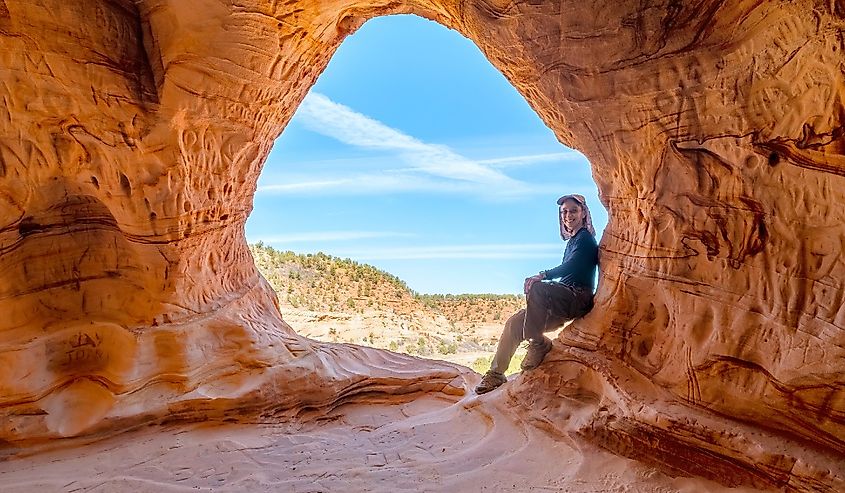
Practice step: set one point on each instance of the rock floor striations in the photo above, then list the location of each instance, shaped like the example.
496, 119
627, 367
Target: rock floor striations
132, 134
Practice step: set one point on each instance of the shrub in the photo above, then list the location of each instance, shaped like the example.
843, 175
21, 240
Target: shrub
482, 364
444, 348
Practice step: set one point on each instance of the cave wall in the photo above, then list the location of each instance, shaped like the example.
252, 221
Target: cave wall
722, 270
132, 135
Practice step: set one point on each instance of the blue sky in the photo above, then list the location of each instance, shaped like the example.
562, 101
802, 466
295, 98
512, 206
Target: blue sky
414, 154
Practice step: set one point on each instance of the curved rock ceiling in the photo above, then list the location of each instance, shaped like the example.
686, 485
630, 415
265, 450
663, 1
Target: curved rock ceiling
132, 134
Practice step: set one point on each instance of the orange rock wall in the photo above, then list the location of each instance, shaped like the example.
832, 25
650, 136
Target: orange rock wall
722, 271
132, 135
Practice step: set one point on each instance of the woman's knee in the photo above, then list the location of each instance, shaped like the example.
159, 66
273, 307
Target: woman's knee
538, 294
535, 288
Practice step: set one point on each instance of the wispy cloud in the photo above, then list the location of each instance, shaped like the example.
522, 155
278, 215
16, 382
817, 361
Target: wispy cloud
365, 184
324, 116
477, 251
328, 236
531, 159
404, 165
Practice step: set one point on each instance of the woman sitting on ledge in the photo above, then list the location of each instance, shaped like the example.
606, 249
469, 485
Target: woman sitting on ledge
550, 304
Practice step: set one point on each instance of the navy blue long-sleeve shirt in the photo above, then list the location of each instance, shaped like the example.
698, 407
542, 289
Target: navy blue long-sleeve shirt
579, 261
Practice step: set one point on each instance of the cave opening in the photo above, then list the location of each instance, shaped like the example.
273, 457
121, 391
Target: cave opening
410, 195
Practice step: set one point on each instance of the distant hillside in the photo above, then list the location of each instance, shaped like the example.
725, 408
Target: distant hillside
339, 300
473, 308
320, 282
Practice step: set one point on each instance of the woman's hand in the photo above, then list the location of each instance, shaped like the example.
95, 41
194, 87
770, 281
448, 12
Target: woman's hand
529, 281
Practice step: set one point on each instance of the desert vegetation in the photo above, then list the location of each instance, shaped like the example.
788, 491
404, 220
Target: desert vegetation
340, 300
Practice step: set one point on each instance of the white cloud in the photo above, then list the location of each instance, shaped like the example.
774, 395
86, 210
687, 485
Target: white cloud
324, 116
393, 181
398, 181
406, 165
307, 237
478, 251
302, 186
530, 159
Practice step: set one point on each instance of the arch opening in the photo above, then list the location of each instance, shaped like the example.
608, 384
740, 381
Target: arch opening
422, 192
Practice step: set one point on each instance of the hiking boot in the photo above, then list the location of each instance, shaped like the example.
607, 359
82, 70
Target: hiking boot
537, 350
490, 381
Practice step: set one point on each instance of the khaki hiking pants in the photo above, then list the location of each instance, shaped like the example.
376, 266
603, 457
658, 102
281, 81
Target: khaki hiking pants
548, 306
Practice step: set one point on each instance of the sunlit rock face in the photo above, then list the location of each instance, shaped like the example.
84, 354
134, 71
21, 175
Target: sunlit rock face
132, 135
131, 138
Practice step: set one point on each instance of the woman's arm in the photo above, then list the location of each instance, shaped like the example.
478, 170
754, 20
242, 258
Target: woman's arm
574, 259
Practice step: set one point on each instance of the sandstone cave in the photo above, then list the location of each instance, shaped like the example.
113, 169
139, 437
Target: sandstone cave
132, 136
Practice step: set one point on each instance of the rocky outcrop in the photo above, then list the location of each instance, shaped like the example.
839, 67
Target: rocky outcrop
132, 134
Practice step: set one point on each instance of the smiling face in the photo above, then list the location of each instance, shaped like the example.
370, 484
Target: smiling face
571, 215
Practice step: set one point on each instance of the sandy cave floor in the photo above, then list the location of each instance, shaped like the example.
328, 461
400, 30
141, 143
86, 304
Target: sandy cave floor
429, 444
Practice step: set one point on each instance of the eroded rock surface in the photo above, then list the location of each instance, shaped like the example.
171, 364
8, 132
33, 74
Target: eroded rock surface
132, 134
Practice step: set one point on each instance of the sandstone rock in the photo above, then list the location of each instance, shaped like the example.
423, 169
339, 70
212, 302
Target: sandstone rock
132, 134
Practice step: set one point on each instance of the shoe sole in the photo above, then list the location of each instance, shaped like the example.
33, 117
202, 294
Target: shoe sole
482, 392
491, 389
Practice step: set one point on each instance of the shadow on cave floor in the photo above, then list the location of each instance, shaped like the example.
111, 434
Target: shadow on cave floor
428, 444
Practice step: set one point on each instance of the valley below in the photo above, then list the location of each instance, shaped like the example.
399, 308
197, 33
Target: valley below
330, 299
